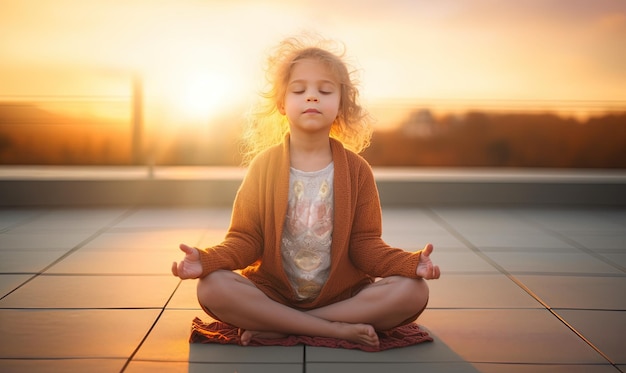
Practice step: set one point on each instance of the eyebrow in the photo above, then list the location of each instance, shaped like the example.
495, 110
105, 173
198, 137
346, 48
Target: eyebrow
322, 81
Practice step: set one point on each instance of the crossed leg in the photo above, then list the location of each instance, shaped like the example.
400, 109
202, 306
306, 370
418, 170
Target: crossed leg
382, 305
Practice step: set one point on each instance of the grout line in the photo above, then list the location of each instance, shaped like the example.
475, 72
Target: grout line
304, 359
478, 252
102, 274
568, 274
35, 309
143, 340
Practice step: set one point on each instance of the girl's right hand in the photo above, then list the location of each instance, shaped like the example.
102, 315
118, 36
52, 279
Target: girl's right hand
190, 267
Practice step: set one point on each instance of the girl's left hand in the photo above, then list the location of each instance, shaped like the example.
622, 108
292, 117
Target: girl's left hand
426, 269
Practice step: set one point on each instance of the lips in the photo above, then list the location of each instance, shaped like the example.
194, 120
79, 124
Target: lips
311, 111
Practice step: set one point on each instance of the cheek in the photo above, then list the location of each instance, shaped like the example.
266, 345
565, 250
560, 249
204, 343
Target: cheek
335, 104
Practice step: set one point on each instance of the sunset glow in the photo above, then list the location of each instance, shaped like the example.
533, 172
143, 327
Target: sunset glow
198, 96
199, 57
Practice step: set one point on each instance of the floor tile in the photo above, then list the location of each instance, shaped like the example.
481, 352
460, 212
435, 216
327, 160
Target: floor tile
615, 215
465, 220
478, 291
51, 334
62, 365
148, 366
412, 241
545, 368
72, 219
424, 352
156, 239
10, 218
185, 296
605, 329
618, 259
216, 353
583, 292
117, 262
464, 262
169, 340
92, 292
572, 220
455, 368
517, 240
390, 367
35, 240
399, 219
187, 218
136, 366
601, 240
508, 336
551, 262
28, 261
211, 237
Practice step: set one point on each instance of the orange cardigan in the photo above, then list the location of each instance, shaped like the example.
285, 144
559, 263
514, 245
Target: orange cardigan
358, 252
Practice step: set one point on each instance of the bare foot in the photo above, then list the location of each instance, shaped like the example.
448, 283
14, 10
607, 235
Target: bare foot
248, 335
358, 333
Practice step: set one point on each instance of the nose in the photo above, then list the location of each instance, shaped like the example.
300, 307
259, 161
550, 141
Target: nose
311, 99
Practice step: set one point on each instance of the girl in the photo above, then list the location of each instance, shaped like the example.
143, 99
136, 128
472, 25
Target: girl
306, 221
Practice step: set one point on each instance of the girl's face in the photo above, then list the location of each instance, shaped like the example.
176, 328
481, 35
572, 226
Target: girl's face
312, 98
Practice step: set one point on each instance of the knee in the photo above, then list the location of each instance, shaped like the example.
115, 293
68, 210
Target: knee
413, 293
213, 287
422, 293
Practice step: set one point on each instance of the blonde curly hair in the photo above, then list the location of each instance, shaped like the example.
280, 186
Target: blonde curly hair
266, 127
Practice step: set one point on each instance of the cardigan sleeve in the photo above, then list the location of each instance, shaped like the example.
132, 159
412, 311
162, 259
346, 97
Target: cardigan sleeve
368, 251
243, 243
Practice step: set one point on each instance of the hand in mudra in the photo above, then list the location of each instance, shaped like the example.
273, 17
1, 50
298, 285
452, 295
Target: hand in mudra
190, 266
426, 269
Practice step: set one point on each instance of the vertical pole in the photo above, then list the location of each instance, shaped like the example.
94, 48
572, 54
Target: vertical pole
137, 119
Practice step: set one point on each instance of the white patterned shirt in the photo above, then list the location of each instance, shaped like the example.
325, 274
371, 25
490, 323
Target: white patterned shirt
307, 234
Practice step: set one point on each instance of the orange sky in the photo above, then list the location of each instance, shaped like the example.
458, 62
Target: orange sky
206, 54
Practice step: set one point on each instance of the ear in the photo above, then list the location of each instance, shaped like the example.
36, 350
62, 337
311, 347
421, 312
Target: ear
281, 108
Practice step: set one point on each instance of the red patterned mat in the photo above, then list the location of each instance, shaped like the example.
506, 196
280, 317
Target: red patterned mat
219, 332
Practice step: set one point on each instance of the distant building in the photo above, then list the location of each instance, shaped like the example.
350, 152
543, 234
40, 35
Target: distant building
421, 123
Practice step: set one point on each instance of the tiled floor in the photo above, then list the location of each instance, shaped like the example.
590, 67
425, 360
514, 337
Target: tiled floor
522, 290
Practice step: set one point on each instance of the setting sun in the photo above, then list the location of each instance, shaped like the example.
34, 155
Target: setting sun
191, 96
201, 95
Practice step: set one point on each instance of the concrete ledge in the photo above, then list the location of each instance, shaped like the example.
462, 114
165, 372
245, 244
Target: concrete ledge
97, 186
